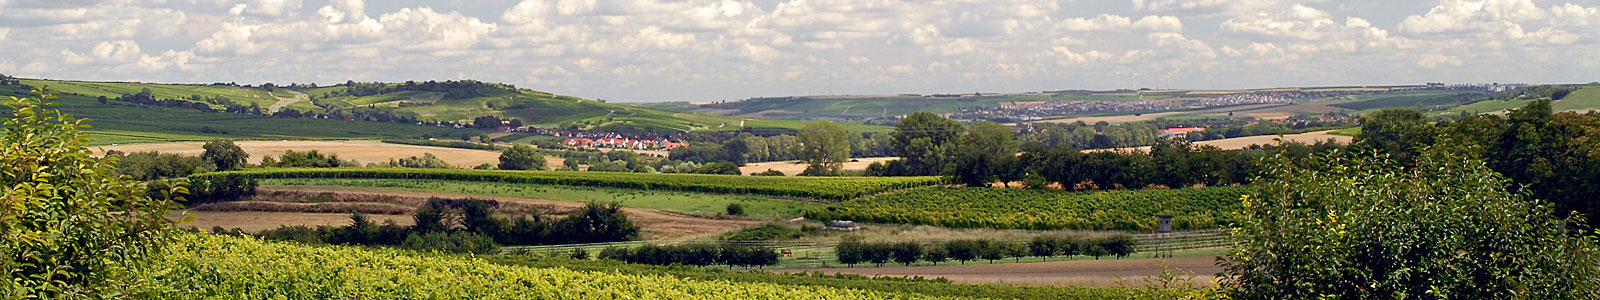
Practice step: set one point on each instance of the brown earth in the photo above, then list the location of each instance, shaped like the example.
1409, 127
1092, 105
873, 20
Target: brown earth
1101, 273
362, 151
656, 224
254, 221
792, 168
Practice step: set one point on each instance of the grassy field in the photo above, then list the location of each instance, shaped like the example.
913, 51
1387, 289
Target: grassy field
697, 203
243, 96
123, 123
1584, 99
1488, 107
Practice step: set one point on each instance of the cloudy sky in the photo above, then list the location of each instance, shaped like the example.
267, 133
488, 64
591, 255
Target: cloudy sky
700, 50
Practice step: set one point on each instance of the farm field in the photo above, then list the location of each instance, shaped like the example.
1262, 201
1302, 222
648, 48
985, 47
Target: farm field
1585, 99
792, 168
656, 224
191, 266
1195, 208
362, 151
254, 221
1116, 119
92, 89
1076, 272
123, 123
1342, 136
693, 203
825, 188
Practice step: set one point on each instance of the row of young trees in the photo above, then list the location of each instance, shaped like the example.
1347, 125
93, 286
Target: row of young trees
851, 252
699, 255
470, 226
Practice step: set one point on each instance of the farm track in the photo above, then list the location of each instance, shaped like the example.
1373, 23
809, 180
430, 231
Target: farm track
657, 224
285, 102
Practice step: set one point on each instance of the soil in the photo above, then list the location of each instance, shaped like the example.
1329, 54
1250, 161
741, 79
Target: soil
1102, 273
254, 221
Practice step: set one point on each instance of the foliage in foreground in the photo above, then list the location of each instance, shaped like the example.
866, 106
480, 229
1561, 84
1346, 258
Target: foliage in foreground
832, 188
1363, 227
914, 285
69, 227
1196, 208
204, 266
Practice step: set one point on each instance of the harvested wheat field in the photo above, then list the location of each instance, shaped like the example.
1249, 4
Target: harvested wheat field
1102, 273
362, 151
792, 168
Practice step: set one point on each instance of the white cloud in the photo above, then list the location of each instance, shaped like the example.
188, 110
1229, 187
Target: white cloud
116, 51
1434, 60
1109, 22
272, 8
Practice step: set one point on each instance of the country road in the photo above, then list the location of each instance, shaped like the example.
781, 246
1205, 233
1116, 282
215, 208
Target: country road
285, 102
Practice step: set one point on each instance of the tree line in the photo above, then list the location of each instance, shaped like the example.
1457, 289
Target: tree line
699, 255
470, 226
851, 252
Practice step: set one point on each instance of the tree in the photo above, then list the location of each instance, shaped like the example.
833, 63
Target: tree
984, 152
907, 252
824, 147
935, 255
920, 139
735, 209
1042, 246
521, 157
1400, 132
963, 250
1366, 226
226, 155
69, 227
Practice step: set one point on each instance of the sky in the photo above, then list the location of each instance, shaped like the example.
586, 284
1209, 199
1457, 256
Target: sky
707, 50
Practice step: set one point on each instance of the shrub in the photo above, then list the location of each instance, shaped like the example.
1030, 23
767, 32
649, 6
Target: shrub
735, 209
768, 172
451, 242
521, 157
1444, 227
68, 228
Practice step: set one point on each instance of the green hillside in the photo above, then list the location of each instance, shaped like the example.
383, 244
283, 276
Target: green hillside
451, 101
466, 100
125, 123
1587, 98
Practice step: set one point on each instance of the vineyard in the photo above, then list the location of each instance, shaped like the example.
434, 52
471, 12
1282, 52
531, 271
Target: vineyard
825, 188
1200, 208
200, 266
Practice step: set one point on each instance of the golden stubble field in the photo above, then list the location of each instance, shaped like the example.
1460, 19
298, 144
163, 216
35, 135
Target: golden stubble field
362, 151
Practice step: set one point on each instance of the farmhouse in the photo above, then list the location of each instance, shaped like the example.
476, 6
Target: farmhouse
1180, 131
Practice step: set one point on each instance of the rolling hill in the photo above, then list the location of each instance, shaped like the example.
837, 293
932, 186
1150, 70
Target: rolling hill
187, 112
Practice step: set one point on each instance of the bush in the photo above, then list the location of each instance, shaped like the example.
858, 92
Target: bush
1443, 227
521, 157
735, 209
69, 228
451, 242
768, 232
768, 172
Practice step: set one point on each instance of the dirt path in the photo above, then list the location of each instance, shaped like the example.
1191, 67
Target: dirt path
1102, 272
285, 102
657, 224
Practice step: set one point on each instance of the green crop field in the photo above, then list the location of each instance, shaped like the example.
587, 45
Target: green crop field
1488, 107
698, 203
1198, 208
1584, 99
829, 188
124, 123
160, 91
